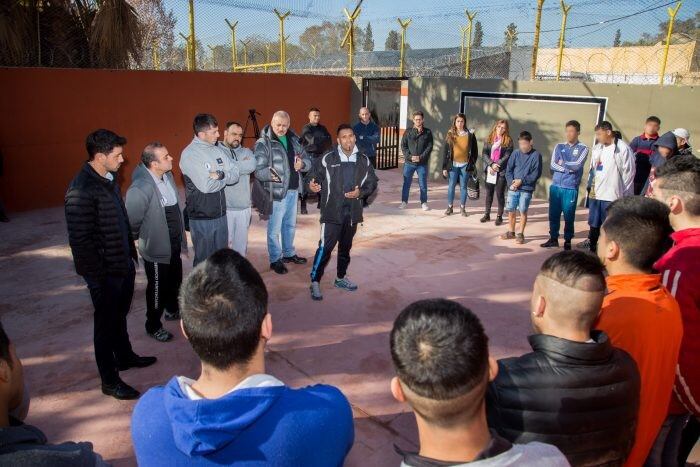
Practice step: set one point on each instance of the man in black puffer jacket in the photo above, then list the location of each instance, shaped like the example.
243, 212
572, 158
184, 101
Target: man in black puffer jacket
575, 390
104, 254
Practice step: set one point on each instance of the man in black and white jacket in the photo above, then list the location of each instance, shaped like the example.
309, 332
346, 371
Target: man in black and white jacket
343, 177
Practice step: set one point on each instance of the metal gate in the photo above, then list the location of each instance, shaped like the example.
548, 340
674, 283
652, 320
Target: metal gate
382, 96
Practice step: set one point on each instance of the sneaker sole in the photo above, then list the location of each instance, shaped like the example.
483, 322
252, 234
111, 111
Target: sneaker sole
345, 288
316, 298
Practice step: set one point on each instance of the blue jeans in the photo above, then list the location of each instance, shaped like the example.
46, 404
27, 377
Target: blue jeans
208, 236
562, 200
408, 171
283, 221
457, 174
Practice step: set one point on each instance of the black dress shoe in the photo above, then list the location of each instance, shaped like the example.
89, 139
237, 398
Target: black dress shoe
499, 220
486, 218
136, 362
294, 259
120, 390
567, 246
279, 267
551, 243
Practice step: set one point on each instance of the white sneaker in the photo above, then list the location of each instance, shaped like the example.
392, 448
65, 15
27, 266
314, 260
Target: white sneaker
403, 205
425, 207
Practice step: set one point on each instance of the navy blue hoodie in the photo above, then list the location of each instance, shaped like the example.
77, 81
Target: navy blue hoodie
272, 426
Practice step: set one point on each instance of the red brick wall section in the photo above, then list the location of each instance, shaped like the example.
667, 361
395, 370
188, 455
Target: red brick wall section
47, 113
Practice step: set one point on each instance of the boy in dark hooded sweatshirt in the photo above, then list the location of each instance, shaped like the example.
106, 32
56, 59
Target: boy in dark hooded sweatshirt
236, 413
665, 147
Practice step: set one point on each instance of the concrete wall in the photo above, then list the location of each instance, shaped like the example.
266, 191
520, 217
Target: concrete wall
627, 108
47, 113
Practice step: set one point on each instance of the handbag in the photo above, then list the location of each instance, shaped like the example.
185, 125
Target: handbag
261, 196
473, 189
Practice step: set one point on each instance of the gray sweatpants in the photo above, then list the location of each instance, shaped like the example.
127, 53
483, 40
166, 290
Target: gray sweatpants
208, 236
238, 222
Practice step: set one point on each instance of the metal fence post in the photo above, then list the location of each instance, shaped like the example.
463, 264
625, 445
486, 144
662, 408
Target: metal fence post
565, 12
671, 18
234, 56
468, 59
245, 53
463, 29
155, 58
193, 54
188, 63
402, 53
536, 41
349, 38
283, 40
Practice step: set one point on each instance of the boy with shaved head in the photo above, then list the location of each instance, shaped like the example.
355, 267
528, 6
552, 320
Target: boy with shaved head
574, 390
440, 353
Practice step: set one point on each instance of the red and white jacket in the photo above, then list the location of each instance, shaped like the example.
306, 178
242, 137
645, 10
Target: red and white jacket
680, 270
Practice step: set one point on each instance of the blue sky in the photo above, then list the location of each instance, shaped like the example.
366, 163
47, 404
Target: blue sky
435, 23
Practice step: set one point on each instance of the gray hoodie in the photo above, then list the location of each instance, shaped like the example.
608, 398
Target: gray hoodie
147, 216
238, 194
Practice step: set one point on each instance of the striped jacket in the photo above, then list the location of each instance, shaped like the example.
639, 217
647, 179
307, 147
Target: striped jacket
567, 164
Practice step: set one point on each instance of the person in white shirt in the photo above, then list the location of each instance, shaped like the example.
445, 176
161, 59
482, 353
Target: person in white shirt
611, 177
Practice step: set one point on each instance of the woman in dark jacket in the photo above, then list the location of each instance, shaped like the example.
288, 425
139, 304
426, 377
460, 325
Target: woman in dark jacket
497, 149
459, 155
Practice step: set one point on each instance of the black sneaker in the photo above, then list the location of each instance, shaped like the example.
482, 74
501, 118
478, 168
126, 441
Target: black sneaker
136, 361
171, 316
486, 218
567, 246
499, 220
304, 211
161, 335
279, 267
294, 259
120, 390
551, 243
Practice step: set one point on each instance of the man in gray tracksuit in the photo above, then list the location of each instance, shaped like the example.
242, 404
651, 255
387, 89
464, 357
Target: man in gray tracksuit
207, 169
238, 194
156, 222
280, 162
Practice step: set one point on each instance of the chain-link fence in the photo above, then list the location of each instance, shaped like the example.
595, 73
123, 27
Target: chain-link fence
613, 41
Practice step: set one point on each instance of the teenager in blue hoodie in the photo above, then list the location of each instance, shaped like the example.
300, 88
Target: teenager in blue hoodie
235, 413
523, 170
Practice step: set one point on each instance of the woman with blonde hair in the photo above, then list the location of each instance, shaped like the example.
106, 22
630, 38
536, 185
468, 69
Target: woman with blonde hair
459, 155
497, 149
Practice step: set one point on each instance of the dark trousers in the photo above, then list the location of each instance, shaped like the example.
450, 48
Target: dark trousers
162, 290
562, 200
500, 190
641, 173
208, 236
342, 234
111, 298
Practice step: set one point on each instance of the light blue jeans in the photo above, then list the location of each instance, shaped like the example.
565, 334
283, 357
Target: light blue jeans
457, 175
282, 222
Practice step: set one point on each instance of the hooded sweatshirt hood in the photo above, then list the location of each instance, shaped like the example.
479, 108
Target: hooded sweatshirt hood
204, 426
667, 140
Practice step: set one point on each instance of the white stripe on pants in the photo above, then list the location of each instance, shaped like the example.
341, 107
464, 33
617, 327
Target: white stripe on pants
238, 223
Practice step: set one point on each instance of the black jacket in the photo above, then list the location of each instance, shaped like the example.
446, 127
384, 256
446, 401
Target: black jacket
327, 172
503, 161
581, 397
269, 146
414, 143
95, 235
448, 157
315, 139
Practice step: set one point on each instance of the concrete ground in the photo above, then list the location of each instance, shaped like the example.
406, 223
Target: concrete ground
398, 257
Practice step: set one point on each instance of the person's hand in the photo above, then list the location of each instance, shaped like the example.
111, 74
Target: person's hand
354, 193
315, 187
214, 175
516, 184
444, 173
298, 164
415, 158
495, 167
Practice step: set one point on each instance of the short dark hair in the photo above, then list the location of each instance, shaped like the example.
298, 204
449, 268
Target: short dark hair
439, 349
604, 125
231, 123
653, 118
681, 174
102, 141
313, 109
568, 267
202, 122
575, 124
418, 112
526, 135
344, 126
641, 228
148, 155
223, 303
5, 346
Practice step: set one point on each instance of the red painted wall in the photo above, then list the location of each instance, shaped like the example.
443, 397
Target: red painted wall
46, 114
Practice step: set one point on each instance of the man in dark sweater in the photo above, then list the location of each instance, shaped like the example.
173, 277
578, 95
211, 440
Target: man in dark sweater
574, 390
643, 148
343, 178
416, 146
316, 140
104, 254
25, 445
